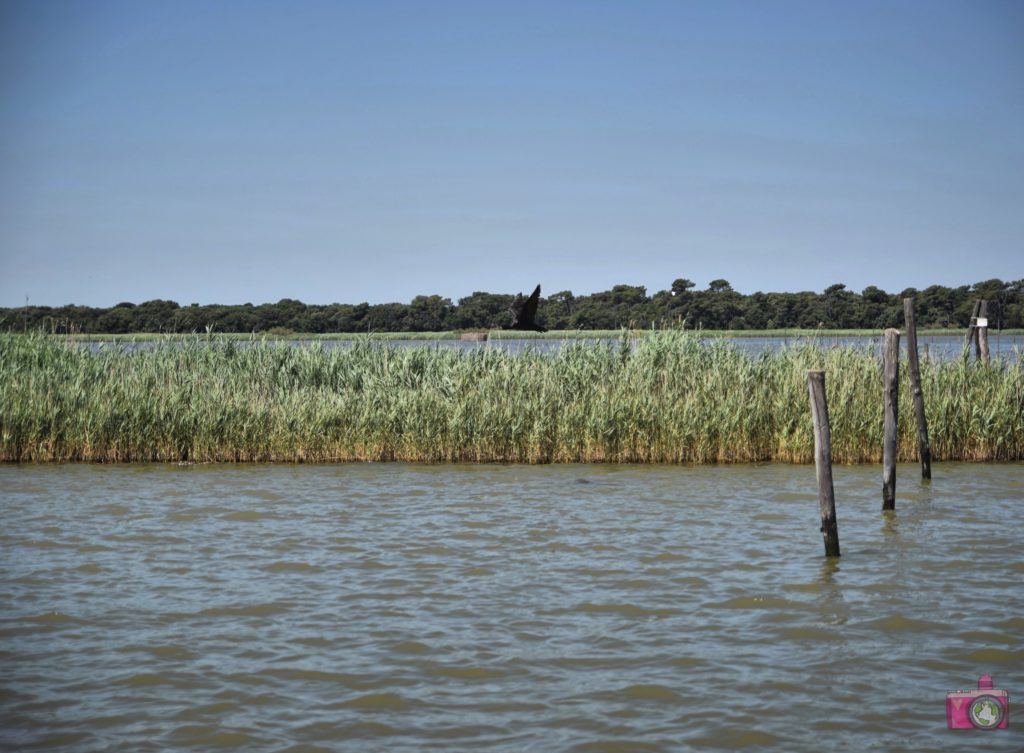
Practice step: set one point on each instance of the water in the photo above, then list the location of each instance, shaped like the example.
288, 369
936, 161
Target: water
937, 347
502, 608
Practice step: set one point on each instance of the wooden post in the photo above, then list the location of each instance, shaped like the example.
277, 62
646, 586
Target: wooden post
970, 330
891, 396
823, 462
923, 450
981, 333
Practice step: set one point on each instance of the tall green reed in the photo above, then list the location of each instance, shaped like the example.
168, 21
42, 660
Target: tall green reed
666, 397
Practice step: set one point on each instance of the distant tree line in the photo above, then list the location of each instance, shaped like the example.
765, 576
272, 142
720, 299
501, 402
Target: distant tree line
717, 307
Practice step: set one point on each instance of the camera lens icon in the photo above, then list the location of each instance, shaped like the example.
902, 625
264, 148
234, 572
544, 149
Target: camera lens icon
985, 712
984, 708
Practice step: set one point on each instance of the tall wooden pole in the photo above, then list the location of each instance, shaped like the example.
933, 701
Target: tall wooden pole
981, 332
891, 396
923, 450
823, 462
970, 330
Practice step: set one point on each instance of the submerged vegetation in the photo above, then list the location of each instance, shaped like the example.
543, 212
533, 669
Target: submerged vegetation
661, 398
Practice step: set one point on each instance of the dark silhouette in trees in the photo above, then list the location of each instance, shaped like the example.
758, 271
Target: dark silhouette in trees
524, 312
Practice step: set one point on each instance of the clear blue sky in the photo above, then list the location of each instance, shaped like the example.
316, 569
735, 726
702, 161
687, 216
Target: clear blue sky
225, 152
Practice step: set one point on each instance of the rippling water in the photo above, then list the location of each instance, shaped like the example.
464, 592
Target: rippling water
503, 608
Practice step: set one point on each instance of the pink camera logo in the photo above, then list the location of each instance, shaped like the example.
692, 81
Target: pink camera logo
984, 708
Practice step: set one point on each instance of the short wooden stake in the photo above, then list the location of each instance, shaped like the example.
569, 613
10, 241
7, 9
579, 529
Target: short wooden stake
823, 462
923, 450
891, 396
981, 333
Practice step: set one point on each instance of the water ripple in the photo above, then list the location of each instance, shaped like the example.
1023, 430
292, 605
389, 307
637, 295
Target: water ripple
500, 608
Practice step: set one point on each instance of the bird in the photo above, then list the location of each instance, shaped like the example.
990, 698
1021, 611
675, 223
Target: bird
524, 311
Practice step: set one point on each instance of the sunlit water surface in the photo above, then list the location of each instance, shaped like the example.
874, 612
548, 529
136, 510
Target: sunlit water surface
503, 608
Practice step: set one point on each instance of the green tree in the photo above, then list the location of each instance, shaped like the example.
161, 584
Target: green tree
429, 313
681, 286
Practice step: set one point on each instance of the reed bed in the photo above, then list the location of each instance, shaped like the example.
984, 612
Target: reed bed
663, 398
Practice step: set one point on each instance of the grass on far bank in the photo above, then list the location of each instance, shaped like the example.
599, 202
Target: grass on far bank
504, 334
666, 398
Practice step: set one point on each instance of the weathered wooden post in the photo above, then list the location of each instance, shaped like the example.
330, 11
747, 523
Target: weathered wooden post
823, 462
971, 329
981, 333
891, 397
923, 450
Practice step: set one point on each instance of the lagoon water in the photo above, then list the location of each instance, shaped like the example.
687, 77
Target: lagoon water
937, 347
503, 608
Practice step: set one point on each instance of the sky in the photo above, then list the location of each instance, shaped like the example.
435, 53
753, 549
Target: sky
232, 152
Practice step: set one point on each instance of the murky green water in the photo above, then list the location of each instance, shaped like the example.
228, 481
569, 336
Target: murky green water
503, 608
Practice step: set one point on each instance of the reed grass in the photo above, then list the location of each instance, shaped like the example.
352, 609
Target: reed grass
665, 397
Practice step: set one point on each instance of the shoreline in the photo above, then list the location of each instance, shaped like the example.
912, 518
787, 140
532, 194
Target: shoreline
499, 334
